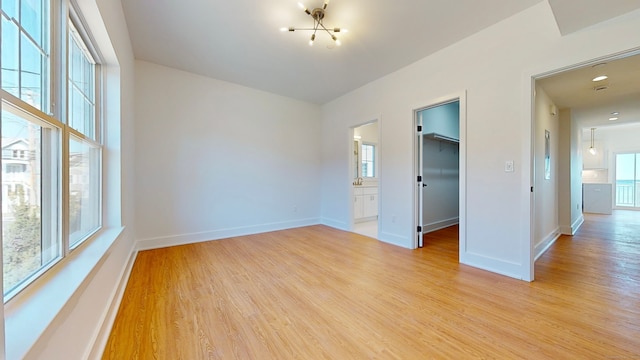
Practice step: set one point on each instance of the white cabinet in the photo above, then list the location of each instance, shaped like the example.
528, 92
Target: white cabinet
365, 202
597, 198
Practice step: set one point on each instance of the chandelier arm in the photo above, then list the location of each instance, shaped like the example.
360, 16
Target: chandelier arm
316, 24
328, 32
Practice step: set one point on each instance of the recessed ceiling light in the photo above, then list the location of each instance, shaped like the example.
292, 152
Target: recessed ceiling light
615, 113
613, 118
600, 78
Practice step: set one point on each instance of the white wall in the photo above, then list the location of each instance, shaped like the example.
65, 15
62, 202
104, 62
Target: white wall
215, 159
495, 67
85, 318
546, 219
569, 174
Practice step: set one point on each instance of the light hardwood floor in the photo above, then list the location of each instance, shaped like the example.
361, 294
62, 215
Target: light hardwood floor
320, 293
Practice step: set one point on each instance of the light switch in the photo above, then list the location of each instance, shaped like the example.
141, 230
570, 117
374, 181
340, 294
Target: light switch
508, 166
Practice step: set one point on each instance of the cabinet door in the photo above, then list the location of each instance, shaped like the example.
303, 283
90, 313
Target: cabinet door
358, 206
370, 205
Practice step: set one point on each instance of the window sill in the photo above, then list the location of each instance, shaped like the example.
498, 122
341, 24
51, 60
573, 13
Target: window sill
31, 312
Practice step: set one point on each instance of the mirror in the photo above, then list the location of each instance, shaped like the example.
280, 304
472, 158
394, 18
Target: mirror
365, 151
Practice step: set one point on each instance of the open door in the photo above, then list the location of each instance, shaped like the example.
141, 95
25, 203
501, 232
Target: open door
439, 176
419, 183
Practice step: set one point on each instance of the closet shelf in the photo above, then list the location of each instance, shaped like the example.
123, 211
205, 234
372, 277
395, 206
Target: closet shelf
440, 137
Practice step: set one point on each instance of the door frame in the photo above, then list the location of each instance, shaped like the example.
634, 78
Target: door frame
460, 96
529, 202
351, 217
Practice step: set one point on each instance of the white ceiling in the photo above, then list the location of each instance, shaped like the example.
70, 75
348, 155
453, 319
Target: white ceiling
575, 89
239, 40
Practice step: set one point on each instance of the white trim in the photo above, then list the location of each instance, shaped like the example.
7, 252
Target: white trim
546, 243
393, 239
460, 96
337, 224
527, 178
571, 230
495, 265
437, 225
190, 238
108, 317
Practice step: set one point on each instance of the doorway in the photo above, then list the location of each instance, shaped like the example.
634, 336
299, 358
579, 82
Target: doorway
583, 102
439, 154
365, 174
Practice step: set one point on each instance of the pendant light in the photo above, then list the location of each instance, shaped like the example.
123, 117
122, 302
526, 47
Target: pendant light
592, 149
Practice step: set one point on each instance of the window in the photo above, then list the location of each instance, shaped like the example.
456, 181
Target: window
44, 218
84, 150
628, 180
16, 168
30, 241
368, 160
25, 51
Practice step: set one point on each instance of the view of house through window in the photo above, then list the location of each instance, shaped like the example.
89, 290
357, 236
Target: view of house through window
29, 239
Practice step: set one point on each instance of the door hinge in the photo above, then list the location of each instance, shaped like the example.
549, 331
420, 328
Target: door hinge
532, 189
419, 178
419, 128
419, 228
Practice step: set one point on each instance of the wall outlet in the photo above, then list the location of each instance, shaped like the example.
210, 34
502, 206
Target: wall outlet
508, 166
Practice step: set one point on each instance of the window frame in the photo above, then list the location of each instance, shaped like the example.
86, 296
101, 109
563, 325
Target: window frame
373, 161
51, 203
60, 14
80, 26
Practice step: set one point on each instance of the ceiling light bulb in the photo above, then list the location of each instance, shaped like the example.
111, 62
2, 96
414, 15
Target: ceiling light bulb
592, 150
313, 37
600, 78
615, 113
613, 118
338, 42
302, 6
283, 29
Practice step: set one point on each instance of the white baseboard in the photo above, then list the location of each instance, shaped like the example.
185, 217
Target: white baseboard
182, 239
440, 224
498, 266
546, 243
336, 224
109, 316
394, 239
571, 230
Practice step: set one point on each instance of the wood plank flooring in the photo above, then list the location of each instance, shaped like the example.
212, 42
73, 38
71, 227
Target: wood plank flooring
321, 293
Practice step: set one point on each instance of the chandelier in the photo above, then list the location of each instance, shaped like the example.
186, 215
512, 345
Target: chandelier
318, 17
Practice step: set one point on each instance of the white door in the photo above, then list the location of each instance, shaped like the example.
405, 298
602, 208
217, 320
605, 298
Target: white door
419, 182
